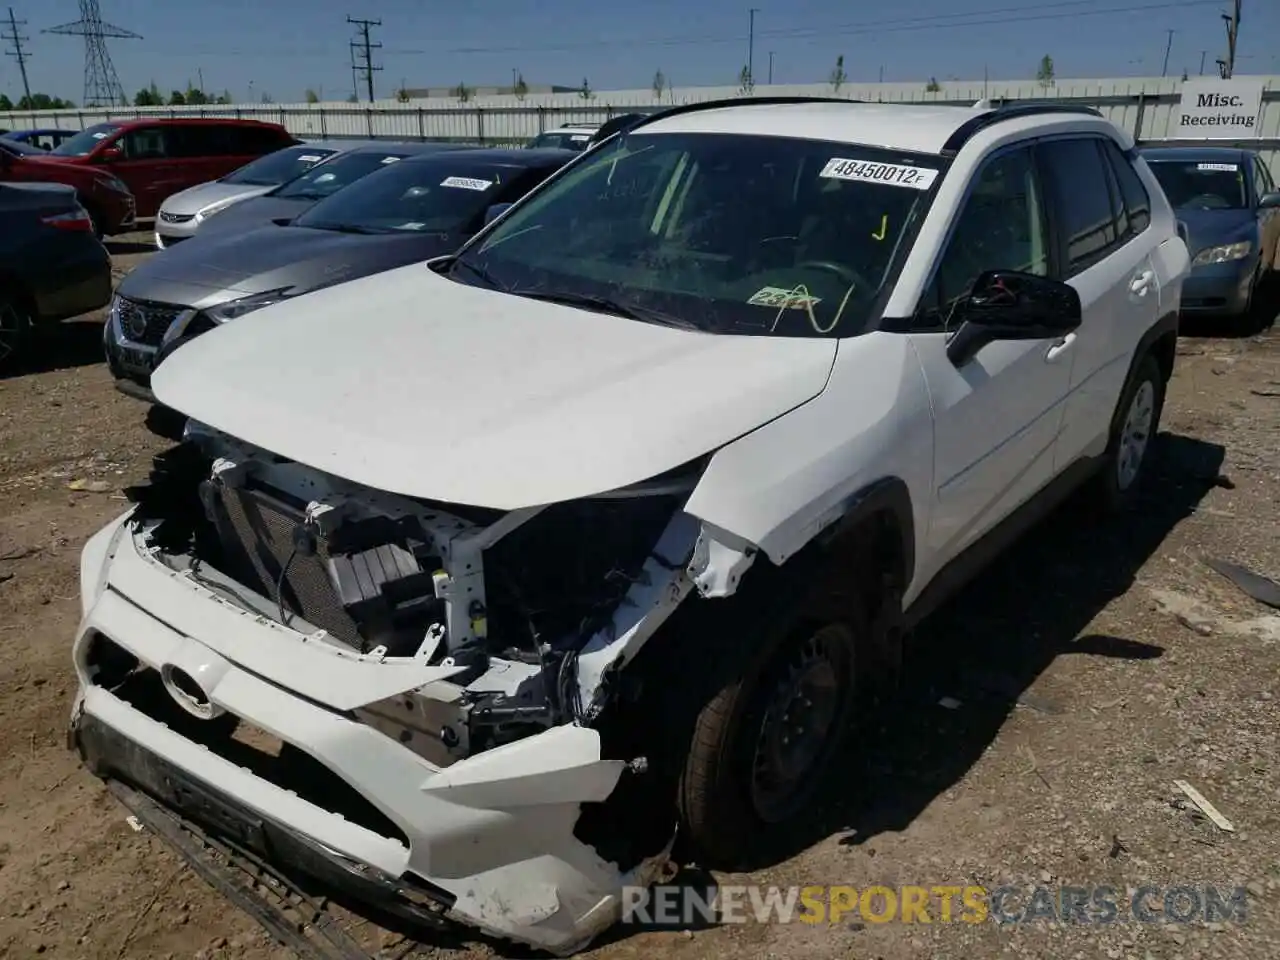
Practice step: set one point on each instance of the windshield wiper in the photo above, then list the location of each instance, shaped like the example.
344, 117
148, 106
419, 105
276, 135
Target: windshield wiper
631, 311
479, 272
348, 228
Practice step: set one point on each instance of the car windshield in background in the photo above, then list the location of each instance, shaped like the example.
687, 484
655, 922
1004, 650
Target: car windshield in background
279, 167
329, 177
562, 141
82, 144
725, 233
418, 196
1201, 184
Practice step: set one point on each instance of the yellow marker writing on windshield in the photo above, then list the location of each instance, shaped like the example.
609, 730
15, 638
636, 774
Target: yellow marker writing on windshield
884, 227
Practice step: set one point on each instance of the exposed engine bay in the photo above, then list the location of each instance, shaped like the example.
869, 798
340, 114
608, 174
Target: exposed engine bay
533, 612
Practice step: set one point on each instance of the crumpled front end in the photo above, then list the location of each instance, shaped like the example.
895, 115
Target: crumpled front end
325, 673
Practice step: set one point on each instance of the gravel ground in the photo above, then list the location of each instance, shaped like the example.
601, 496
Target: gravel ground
1047, 714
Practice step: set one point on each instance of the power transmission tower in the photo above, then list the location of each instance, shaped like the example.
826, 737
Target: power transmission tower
362, 50
101, 82
17, 52
1228, 66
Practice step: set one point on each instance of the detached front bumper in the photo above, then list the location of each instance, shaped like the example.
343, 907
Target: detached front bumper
488, 840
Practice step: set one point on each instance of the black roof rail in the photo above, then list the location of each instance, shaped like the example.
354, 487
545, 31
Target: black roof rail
735, 102
1008, 111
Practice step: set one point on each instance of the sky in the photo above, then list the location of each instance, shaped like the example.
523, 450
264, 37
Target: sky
283, 47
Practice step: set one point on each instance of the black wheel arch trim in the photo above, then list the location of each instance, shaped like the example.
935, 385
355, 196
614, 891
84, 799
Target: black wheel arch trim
888, 495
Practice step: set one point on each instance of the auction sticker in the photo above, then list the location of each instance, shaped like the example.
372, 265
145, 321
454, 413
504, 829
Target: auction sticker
1224, 167
309, 158
890, 174
783, 299
466, 183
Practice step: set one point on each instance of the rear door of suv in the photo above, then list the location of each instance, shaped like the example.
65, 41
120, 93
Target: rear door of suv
149, 163
1102, 217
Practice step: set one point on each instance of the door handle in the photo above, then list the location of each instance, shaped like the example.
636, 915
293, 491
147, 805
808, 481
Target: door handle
1059, 348
1140, 284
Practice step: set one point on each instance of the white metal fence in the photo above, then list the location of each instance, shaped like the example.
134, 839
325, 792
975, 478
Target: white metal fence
1147, 108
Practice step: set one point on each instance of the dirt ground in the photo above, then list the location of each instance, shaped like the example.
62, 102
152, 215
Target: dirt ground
1047, 713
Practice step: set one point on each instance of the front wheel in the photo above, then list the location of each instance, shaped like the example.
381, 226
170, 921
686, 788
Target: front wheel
1134, 427
763, 744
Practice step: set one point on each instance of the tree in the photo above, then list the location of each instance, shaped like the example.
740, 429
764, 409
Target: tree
5, 102
1044, 75
42, 101
520, 88
311, 96
585, 93
177, 99
195, 96
148, 97
838, 76
266, 97
746, 83
933, 86
226, 97
463, 93
659, 84
402, 95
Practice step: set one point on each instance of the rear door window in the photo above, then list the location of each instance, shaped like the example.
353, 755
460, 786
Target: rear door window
1086, 218
148, 143
1137, 202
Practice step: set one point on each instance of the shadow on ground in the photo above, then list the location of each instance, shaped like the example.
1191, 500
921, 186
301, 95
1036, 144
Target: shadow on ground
59, 346
119, 248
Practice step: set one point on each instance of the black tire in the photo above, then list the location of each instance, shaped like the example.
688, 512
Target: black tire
727, 811
1120, 479
15, 329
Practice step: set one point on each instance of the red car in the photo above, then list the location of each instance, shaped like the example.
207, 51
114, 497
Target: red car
157, 158
105, 196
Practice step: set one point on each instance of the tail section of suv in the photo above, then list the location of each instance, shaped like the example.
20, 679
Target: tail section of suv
157, 158
728, 403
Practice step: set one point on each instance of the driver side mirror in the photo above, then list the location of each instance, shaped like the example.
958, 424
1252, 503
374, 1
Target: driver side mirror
495, 211
1011, 305
1269, 201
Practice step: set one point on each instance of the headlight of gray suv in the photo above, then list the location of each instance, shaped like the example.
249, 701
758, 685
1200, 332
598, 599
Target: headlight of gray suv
1223, 254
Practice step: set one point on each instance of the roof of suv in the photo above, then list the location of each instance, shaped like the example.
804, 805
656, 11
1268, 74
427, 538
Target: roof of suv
911, 127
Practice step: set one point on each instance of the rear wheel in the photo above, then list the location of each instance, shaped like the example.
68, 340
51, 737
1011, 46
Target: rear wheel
15, 329
1134, 426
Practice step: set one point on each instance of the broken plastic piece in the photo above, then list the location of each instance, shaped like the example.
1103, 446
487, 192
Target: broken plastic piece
1207, 808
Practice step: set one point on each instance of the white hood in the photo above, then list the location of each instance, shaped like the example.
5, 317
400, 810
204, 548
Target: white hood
410, 383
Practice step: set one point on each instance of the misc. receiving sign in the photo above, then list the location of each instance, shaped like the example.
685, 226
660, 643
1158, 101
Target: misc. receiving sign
1219, 110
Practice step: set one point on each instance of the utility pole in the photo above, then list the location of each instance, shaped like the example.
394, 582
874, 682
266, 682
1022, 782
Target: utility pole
771, 66
366, 49
1202, 55
1227, 67
17, 52
751, 42
1167, 47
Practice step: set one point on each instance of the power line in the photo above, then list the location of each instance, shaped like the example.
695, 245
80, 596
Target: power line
17, 52
363, 50
994, 17
101, 82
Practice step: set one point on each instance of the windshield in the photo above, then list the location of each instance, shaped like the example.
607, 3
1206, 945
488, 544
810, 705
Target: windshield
1201, 184
279, 167
82, 144
332, 175
418, 196
726, 233
562, 140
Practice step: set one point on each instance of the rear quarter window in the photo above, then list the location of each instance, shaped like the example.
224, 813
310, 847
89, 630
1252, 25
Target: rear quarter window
1137, 202
1086, 219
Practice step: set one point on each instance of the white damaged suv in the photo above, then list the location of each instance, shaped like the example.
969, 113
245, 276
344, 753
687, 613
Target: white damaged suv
474, 583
